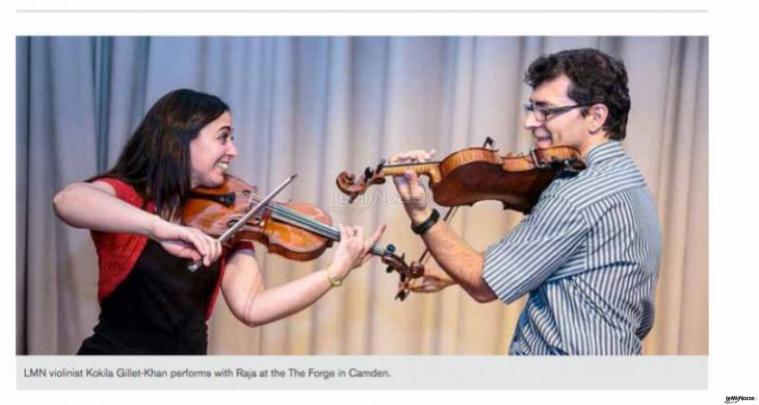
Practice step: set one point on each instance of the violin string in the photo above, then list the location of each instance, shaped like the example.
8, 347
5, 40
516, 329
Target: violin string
287, 214
315, 226
297, 219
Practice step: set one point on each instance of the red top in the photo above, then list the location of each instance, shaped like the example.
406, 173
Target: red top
118, 252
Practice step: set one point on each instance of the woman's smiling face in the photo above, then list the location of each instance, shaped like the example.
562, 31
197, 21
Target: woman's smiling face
211, 151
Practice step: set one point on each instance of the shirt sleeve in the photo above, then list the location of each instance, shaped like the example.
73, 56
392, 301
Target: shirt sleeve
535, 249
117, 252
123, 190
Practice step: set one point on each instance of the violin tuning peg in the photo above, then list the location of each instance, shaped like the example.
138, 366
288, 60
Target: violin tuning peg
389, 269
368, 173
380, 165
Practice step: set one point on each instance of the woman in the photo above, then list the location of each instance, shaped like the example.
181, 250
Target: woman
150, 303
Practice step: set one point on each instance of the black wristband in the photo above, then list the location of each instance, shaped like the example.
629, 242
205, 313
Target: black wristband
427, 224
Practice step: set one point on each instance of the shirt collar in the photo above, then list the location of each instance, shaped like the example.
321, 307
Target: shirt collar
604, 151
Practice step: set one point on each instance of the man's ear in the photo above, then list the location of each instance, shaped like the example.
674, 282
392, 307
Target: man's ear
597, 115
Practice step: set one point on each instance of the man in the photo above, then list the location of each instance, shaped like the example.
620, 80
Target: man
588, 253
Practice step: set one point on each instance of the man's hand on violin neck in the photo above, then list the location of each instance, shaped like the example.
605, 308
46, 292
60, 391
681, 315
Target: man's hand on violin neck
411, 190
413, 195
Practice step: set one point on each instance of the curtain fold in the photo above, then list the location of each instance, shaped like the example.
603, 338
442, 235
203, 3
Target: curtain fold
317, 106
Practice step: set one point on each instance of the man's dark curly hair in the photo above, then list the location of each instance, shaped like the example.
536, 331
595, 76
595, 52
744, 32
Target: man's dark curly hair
597, 78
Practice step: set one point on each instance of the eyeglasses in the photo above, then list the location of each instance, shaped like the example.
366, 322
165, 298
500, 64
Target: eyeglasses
542, 114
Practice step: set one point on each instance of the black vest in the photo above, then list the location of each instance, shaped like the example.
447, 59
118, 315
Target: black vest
158, 309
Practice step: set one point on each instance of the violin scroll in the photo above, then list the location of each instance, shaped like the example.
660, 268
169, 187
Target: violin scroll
346, 181
415, 271
406, 272
417, 281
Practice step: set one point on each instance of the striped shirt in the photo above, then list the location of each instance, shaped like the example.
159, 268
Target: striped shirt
588, 255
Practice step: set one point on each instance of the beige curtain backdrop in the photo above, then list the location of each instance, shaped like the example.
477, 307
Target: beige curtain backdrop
316, 107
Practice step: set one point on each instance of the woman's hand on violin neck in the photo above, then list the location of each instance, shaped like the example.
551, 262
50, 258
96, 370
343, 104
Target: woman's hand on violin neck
353, 250
185, 242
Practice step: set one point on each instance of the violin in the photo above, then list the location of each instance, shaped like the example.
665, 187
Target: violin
294, 230
476, 174
466, 177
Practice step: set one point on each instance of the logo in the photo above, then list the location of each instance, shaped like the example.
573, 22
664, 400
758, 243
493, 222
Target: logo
733, 399
373, 197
